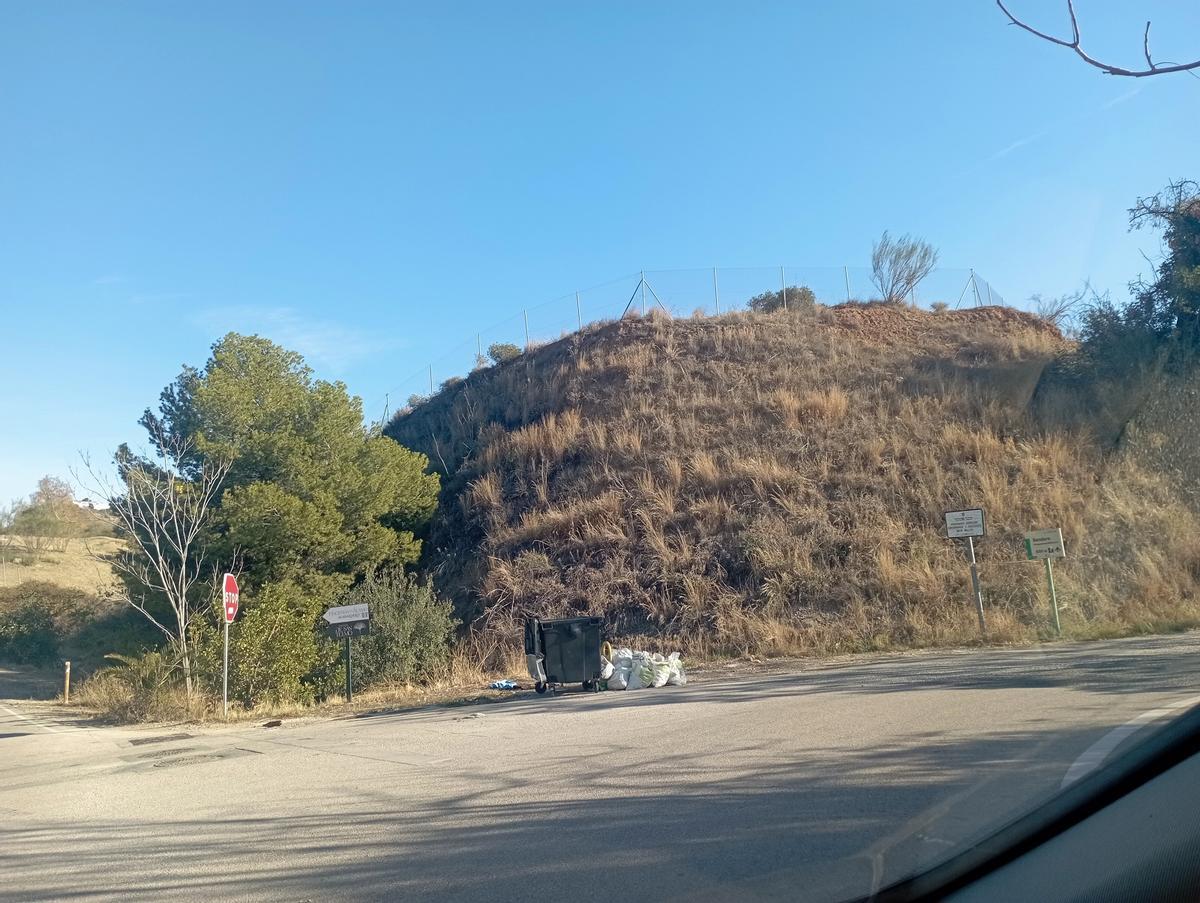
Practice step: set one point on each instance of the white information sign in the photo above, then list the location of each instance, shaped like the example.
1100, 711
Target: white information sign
1045, 544
343, 613
965, 524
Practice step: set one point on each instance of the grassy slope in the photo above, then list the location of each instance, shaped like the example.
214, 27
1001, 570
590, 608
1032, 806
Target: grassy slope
776, 483
73, 566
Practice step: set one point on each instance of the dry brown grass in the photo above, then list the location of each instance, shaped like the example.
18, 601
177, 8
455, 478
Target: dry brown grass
776, 484
75, 566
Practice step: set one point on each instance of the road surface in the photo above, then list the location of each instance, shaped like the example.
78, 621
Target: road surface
808, 783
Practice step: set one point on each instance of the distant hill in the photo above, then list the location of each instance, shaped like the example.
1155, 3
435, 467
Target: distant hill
777, 482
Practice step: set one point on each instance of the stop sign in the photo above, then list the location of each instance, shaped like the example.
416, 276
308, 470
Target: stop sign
231, 598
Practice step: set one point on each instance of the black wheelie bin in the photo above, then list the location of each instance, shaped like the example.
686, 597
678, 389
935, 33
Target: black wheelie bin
563, 651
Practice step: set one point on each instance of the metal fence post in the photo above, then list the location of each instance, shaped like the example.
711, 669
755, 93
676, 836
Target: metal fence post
846, 273
525, 313
578, 314
716, 292
643, 287
783, 287
976, 588
431, 379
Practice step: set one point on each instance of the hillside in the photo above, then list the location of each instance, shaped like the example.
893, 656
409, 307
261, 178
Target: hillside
70, 563
776, 483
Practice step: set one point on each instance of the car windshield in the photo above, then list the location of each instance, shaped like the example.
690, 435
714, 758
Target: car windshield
511, 451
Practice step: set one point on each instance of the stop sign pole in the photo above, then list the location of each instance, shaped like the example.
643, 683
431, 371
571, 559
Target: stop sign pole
230, 593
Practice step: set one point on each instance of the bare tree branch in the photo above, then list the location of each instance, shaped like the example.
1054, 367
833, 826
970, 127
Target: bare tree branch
163, 513
899, 265
1108, 68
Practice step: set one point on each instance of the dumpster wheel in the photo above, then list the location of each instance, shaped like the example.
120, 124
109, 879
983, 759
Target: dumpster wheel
541, 687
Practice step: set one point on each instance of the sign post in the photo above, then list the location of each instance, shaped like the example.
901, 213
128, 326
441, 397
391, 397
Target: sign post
1047, 545
345, 622
968, 525
230, 593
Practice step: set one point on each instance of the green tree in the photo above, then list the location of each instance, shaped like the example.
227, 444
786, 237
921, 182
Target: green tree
48, 518
313, 500
1170, 302
1163, 314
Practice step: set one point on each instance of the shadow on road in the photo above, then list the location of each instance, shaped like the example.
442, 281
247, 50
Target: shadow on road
824, 827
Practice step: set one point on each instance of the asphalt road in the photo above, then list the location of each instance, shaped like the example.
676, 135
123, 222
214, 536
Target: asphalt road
808, 783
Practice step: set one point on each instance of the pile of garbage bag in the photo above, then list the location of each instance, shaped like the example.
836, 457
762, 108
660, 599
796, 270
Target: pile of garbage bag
630, 670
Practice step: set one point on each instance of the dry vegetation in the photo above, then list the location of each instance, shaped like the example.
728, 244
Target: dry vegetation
73, 563
775, 484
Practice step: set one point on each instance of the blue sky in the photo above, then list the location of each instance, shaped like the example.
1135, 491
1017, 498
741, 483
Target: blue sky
372, 183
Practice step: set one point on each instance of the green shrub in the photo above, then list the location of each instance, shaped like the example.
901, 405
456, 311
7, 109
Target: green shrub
273, 650
71, 624
146, 687
796, 297
500, 352
27, 635
410, 629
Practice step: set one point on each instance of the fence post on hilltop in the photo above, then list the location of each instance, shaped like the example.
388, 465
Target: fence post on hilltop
783, 287
846, 273
643, 286
578, 313
525, 313
478, 349
431, 379
716, 292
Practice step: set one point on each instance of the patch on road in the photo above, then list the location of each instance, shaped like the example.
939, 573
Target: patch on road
182, 756
161, 738
188, 760
161, 753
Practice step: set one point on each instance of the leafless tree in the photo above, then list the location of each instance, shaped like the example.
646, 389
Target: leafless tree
899, 265
1062, 311
1152, 68
163, 514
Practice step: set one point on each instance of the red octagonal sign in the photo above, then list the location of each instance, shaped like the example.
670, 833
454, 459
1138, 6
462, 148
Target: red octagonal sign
231, 598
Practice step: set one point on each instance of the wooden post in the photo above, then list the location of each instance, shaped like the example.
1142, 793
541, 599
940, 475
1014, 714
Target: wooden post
66, 683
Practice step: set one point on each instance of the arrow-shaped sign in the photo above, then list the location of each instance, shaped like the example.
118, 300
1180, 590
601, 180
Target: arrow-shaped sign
340, 614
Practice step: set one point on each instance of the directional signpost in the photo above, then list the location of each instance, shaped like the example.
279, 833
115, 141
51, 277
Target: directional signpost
343, 622
1048, 545
230, 593
970, 524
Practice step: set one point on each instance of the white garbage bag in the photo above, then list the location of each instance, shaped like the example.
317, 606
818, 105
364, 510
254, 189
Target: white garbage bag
677, 677
641, 673
622, 664
661, 671
636, 670
606, 668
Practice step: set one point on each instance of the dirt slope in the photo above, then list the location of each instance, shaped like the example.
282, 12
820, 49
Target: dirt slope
777, 482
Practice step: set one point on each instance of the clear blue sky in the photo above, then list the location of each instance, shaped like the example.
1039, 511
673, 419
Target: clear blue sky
371, 182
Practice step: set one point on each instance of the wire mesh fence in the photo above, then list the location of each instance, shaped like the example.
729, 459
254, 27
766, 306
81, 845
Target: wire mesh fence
688, 292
